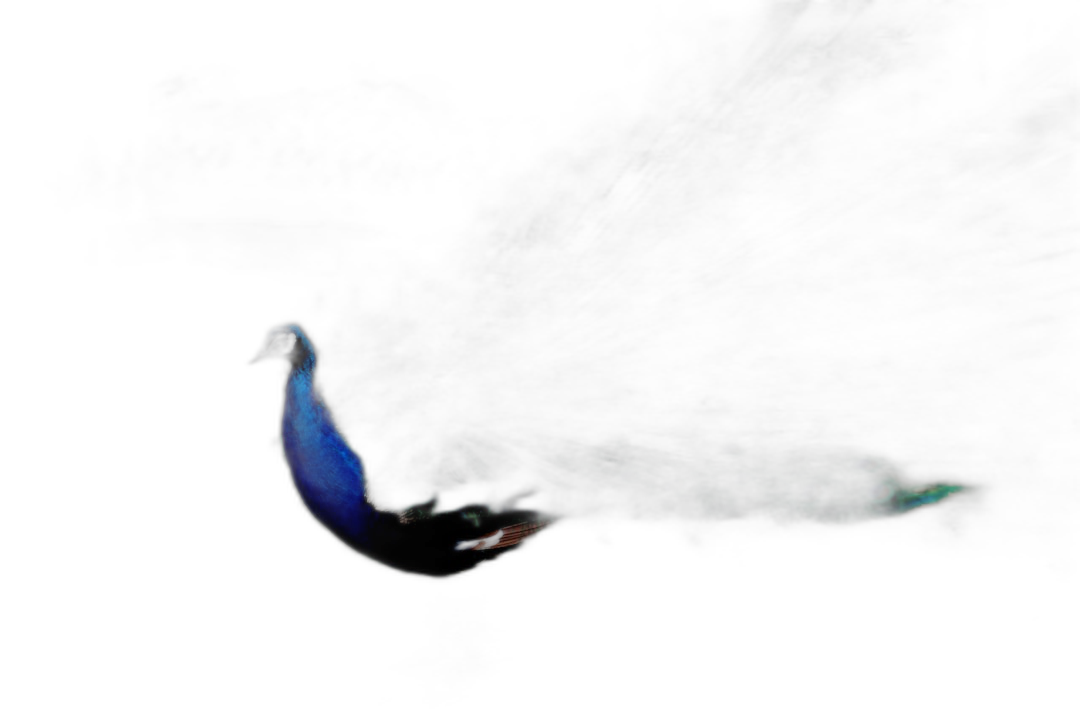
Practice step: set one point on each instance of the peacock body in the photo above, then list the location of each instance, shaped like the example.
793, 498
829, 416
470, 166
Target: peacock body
780, 295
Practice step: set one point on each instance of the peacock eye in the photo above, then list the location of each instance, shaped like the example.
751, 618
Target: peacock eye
288, 342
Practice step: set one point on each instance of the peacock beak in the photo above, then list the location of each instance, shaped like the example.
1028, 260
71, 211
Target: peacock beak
259, 356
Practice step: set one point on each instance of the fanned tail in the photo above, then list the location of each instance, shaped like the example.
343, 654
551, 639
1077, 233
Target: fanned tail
792, 290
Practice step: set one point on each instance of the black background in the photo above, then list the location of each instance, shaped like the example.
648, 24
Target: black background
191, 565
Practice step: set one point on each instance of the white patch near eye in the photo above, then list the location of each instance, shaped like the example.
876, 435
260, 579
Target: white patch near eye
289, 343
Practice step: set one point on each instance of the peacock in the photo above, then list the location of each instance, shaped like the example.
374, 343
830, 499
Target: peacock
797, 289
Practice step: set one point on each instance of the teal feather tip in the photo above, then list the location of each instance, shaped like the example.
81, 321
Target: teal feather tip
714, 310
925, 496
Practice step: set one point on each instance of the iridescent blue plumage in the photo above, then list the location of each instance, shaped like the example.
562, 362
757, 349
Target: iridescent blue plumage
331, 478
328, 474
777, 296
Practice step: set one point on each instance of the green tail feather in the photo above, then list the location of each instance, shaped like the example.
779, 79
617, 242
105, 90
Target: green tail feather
710, 312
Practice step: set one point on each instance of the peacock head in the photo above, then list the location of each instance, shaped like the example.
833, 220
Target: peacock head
288, 341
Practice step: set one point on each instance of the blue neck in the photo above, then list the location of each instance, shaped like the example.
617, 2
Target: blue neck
326, 471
